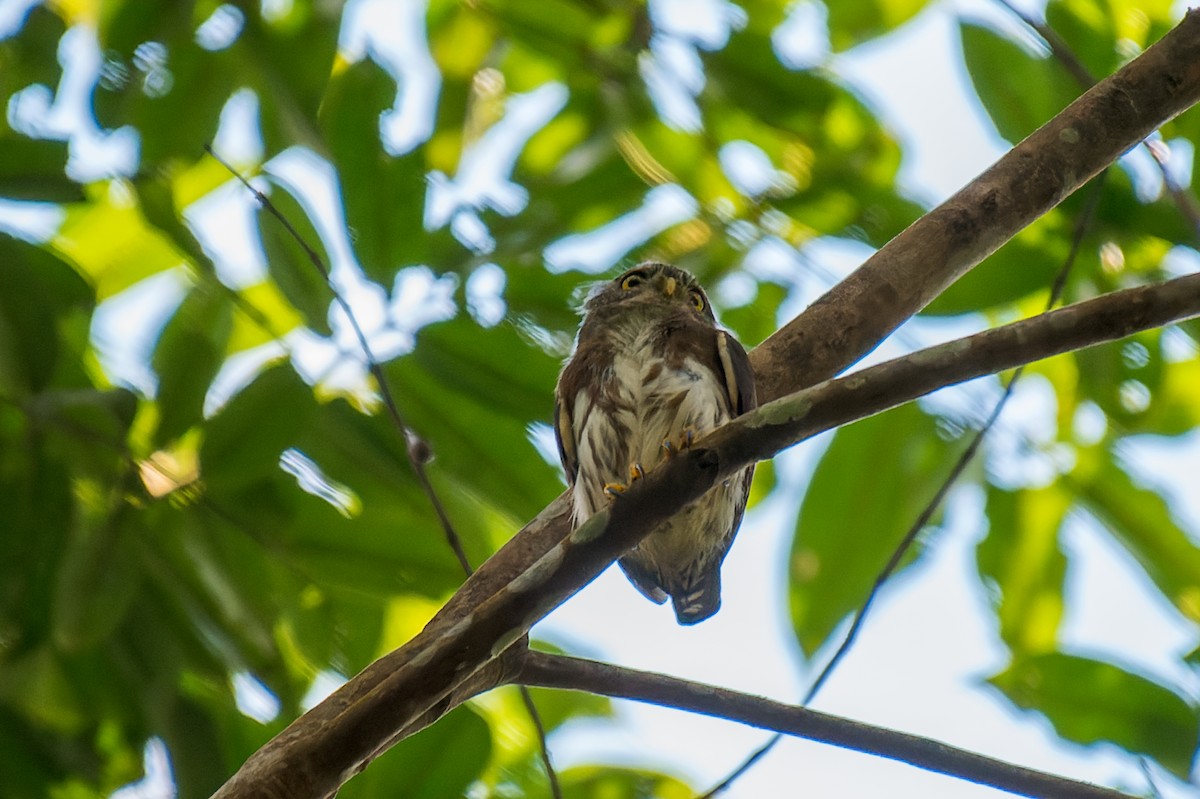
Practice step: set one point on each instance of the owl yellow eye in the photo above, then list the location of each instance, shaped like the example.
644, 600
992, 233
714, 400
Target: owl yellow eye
697, 300
632, 281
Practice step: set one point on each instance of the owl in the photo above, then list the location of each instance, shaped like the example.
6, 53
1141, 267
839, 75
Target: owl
650, 372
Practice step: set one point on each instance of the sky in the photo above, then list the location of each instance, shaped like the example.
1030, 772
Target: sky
919, 664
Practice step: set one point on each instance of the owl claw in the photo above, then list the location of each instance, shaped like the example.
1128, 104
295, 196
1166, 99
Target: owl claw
670, 447
614, 490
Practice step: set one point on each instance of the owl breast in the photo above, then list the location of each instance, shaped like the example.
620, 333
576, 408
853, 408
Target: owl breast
648, 395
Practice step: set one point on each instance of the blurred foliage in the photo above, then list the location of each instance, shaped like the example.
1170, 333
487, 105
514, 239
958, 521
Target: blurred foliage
242, 517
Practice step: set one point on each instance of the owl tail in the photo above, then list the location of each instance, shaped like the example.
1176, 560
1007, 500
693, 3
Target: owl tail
701, 600
692, 605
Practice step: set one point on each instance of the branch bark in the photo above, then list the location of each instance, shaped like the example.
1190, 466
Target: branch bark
557, 671
545, 563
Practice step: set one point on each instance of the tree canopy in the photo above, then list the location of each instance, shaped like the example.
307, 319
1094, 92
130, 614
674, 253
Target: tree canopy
247, 519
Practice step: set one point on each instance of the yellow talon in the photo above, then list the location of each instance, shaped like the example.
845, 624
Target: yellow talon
636, 472
614, 490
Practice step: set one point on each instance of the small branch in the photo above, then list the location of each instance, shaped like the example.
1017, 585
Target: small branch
557, 671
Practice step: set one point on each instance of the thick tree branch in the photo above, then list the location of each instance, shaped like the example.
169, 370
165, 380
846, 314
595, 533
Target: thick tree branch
544, 564
904, 276
557, 671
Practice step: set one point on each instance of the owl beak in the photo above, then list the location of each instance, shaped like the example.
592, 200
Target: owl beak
668, 286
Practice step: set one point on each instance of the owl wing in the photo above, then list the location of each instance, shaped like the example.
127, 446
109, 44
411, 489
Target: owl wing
739, 377
564, 435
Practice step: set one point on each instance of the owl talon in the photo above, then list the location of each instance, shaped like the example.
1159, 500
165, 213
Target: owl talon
671, 448
614, 490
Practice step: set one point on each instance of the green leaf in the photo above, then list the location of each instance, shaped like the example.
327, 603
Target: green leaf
1141, 521
161, 81
1021, 560
855, 513
244, 439
30, 57
1018, 90
43, 302
1089, 701
856, 21
383, 195
472, 392
384, 540
190, 352
32, 169
440, 762
299, 273
98, 578
288, 58
614, 782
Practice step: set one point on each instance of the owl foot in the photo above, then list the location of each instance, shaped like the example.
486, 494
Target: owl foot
672, 447
614, 490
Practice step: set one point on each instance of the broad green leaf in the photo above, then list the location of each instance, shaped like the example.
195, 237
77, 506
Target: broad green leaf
88, 428
615, 782
1089, 701
43, 303
1018, 90
161, 81
472, 393
384, 195
1141, 521
263, 315
382, 537
36, 493
439, 762
188, 356
98, 577
1020, 560
856, 21
29, 57
32, 169
1089, 30
299, 267
112, 244
854, 514
288, 57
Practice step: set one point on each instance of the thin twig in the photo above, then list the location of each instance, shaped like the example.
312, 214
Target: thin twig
910, 537
414, 448
412, 442
551, 774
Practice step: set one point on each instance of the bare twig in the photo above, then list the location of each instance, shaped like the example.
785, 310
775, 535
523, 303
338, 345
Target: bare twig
558, 671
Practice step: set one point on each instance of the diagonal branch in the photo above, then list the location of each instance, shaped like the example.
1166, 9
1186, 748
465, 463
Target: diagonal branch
545, 562
558, 671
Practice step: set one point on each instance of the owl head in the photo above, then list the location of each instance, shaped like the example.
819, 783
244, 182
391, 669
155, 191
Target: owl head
654, 286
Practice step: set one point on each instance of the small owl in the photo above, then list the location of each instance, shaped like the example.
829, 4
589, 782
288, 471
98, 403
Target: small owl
652, 371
